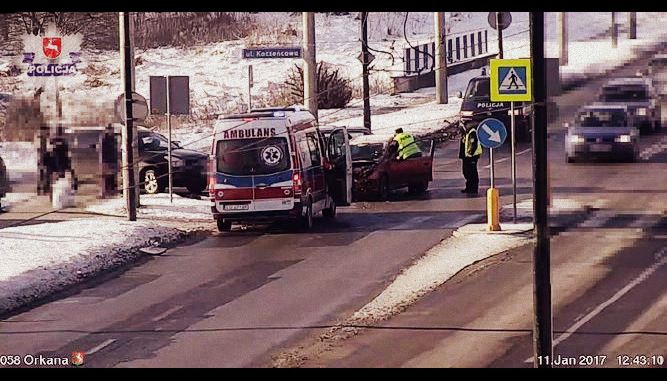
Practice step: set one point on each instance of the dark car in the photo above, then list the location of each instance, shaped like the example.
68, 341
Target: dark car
4, 181
376, 171
638, 96
189, 167
477, 106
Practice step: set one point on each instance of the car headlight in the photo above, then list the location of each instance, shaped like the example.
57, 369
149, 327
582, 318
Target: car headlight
177, 162
577, 139
641, 111
467, 113
623, 139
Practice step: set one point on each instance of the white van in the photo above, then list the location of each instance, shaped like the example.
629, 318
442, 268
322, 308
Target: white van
274, 164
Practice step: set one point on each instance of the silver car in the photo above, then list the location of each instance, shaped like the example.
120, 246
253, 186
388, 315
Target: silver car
638, 95
602, 131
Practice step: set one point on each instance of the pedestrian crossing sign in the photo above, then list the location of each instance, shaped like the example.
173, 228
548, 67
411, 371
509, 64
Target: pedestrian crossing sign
510, 80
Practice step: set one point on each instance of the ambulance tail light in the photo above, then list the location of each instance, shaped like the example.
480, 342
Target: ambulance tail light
211, 177
296, 183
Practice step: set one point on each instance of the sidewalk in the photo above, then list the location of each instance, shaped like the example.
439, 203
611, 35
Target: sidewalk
45, 250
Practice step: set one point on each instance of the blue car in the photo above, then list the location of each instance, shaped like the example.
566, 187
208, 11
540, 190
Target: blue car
602, 131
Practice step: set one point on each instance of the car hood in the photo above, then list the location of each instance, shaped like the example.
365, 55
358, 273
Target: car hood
601, 131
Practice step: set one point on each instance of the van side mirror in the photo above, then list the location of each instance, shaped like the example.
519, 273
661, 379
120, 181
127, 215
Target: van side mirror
459, 95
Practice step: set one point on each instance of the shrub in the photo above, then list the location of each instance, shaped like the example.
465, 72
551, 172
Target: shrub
333, 90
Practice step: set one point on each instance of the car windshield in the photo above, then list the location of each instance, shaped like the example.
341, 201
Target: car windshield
157, 142
366, 151
602, 118
260, 156
624, 93
478, 88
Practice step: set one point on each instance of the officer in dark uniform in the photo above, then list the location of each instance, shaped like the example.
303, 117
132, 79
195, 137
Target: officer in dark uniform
108, 162
469, 152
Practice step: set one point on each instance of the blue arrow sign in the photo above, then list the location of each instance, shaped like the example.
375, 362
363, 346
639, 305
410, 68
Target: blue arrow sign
491, 133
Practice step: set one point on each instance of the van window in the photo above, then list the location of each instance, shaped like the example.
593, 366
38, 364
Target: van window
259, 156
314, 149
304, 152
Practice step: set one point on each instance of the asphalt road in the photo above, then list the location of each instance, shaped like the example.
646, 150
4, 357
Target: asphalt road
238, 299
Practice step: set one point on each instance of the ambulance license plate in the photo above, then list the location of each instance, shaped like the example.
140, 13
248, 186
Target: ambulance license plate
236, 206
600, 147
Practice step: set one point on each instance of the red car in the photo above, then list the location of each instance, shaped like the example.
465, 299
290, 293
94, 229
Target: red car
376, 171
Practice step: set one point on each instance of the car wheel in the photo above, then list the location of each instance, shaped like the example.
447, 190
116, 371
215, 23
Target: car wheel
330, 212
569, 159
383, 188
224, 226
150, 182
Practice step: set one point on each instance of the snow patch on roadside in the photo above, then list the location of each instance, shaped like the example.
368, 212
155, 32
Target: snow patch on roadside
467, 246
39, 260
11, 199
157, 206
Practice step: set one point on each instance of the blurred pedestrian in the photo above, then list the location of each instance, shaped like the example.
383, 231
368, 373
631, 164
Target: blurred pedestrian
108, 163
469, 152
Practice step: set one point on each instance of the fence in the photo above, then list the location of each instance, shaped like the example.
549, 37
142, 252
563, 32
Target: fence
459, 48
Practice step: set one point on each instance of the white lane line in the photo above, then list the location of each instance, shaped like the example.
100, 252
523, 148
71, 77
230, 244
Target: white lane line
411, 223
635, 282
166, 313
99, 347
598, 220
654, 149
465, 220
507, 158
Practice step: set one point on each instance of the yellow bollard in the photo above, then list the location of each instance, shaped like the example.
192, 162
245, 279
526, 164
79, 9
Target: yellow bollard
492, 209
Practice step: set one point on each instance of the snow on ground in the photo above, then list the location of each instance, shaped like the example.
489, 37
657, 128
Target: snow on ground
13, 199
158, 207
19, 156
467, 245
38, 260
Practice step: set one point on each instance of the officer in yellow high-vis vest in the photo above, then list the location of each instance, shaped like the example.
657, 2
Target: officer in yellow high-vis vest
469, 152
407, 146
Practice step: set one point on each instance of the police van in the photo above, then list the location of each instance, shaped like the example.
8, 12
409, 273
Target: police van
274, 164
477, 106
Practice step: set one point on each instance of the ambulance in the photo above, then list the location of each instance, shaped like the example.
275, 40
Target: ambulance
274, 164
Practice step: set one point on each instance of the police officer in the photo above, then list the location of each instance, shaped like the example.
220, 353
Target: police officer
108, 162
406, 145
469, 152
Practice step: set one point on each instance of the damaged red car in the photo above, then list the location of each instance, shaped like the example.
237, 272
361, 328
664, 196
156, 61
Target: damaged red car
377, 172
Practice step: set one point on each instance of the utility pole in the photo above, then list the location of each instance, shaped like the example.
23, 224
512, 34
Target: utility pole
542, 328
500, 36
614, 31
309, 63
633, 25
440, 60
364, 63
562, 21
129, 135
135, 145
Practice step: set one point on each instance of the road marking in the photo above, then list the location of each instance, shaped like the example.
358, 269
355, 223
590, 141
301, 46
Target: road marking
412, 222
654, 149
598, 220
635, 282
507, 158
645, 221
99, 347
466, 220
166, 313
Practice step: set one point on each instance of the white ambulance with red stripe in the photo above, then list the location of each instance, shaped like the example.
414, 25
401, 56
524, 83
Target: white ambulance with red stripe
274, 164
